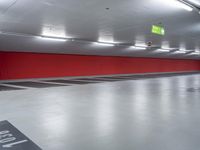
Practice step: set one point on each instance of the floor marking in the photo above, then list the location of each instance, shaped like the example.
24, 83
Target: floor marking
12, 139
15, 143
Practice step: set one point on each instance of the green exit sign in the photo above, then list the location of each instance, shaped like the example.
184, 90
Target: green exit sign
158, 30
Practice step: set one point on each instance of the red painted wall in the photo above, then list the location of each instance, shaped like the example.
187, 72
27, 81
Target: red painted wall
15, 65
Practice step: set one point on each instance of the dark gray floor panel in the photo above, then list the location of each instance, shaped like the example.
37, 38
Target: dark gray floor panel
70, 81
98, 79
89, 79
8, 88
107, 79
34, 84
116, 78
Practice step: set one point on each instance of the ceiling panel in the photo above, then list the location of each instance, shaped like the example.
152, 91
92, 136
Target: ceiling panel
127, 21
5, 5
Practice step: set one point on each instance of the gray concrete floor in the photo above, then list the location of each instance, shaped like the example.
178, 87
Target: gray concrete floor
147, 114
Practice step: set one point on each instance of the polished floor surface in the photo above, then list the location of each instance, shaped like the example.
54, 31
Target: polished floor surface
146, 114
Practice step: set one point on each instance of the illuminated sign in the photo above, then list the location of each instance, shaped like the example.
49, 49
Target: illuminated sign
156, 29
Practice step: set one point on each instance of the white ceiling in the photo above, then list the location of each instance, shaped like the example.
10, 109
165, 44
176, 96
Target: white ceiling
126, 21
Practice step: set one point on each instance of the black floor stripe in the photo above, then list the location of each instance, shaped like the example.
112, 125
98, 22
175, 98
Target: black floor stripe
125, 76
100, 79
109, 79
12, 139
34, 84
88, 79
8, 88
106, 80
116, 78
70, 81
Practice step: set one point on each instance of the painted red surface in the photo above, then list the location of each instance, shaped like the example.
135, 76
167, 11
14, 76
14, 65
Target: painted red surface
15, 65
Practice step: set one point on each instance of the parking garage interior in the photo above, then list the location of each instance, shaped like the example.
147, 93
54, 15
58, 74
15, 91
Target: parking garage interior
99, 74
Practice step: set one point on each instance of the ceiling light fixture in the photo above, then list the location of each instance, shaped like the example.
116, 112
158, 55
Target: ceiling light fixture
184, 5
53, 38
104, 44
196, 53
194, 2
141, 45
163, 50
138, 47
180, 52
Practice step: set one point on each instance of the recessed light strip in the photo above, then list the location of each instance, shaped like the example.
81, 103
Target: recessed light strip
138, 47
195, 53
190, 5
104, 44
185, 5
196, 2
180, 52
141, 45
163, 50
61, 39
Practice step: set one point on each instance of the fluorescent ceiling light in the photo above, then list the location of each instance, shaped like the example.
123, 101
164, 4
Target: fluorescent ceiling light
195, 53
183, 5
138, 47
141, 45
163, 50
179, 3
104, 44
54, 31
180, 52
195, 2
167, 48
53, 39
